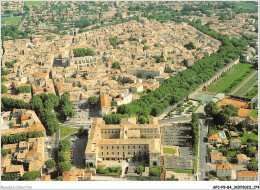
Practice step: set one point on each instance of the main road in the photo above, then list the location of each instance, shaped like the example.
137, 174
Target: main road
203, 151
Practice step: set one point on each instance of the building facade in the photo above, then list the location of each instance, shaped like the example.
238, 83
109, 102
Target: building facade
125, 141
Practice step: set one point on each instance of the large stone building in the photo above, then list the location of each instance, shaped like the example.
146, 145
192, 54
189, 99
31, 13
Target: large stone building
127, 140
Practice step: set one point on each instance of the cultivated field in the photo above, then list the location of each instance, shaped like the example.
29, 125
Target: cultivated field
11, 20
224, 83
247, 86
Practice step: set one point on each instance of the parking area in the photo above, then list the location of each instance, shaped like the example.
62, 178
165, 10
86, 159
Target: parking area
176, 135
78, 146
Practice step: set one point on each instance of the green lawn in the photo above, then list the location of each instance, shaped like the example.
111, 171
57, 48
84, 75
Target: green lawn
11, 20
169, 151
254, 113
247, 86
183, 171
36, 2
66, 131
229, 77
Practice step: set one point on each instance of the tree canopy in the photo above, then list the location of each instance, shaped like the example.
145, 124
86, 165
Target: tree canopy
81, 52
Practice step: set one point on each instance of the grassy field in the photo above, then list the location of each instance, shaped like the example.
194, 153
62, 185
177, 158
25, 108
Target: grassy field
247, 86
11, 20
66, 131
183, 171
229, 77
169, 151
35, 2
254, 113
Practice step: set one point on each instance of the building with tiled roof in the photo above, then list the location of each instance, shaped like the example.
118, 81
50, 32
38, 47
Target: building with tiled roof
127, 140
46, 178
217, 158
223, 170
214, 138
242, 159
247, 176
235, 142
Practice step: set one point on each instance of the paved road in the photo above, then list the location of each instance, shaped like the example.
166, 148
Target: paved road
245, 82
202, 151
182, 118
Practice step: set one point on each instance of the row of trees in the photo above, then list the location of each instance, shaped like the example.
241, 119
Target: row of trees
16, 138
64, 156
195, 132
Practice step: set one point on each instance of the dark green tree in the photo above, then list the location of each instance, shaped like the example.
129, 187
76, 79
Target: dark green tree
64, 166
31, 176
116, 65
4, 89
139, 169
50, 164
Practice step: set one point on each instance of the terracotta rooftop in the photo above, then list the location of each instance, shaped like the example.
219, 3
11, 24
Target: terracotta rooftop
247, 174
213, 136
69, 176
242, 157
46, 178
104, 100
223, 166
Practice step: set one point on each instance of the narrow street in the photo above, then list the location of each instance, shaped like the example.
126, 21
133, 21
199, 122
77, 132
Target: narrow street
203, 169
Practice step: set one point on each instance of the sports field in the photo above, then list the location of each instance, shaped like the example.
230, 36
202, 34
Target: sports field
228, 78
11, 20
35, 2
247, 86
202, 97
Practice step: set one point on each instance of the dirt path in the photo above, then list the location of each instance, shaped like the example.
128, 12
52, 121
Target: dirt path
243, 83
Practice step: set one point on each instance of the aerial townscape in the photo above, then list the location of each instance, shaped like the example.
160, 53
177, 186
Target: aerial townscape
129, 91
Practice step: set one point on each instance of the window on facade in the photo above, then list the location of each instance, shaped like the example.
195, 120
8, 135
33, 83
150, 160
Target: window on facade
117, 147
102, 153
107, 147
128, 152
107, 153
139, 146
112, 153
101, 147
134, 147
128, 147
139, 152
117, 153
123, 147
134, 153
112, 147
